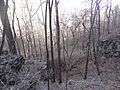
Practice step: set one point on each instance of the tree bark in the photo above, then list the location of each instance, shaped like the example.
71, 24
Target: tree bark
8, 31
58, 40
21, 37
46, 45
50, 4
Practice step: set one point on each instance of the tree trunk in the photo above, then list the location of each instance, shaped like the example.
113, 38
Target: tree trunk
46, 45
58, 40
50, 4
8, 31
21, 37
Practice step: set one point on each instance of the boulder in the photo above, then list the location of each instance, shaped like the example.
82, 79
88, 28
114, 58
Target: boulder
110, 47
10, 66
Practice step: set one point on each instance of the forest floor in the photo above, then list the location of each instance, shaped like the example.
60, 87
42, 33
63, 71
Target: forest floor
33, 75
109, 78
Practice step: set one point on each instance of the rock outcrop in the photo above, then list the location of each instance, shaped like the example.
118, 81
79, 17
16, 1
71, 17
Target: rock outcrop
110, 47
10, 66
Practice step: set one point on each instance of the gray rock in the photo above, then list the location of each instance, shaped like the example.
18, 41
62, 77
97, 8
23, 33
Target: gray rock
10, 66
110, 48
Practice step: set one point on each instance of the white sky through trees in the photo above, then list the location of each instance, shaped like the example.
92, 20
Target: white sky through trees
81, 3
66, 6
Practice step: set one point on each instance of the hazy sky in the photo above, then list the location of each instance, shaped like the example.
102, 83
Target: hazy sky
64, 5
69, 4
80, 4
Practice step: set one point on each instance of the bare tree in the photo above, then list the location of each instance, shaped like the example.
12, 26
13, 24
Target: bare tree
93, 14
108, 15
32, 39
58, 40
13, 28
50, 4
8, 31
40, 47
46, 45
